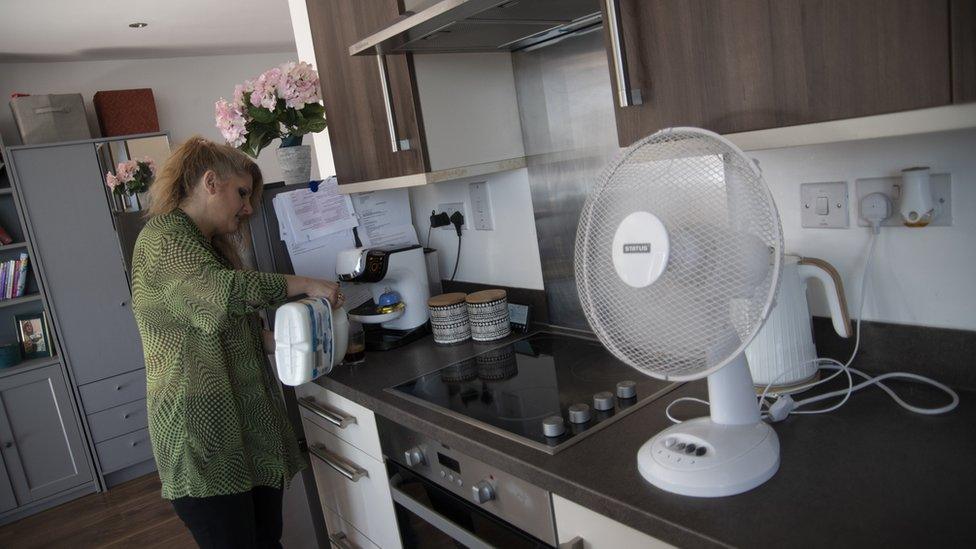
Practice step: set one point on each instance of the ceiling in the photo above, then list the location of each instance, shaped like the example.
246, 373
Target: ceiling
73, 30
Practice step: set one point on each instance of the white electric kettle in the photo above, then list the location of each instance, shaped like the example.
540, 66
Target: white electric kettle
310, 339
783, 352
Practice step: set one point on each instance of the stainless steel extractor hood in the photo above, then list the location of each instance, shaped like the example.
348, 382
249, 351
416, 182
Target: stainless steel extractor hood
465, 26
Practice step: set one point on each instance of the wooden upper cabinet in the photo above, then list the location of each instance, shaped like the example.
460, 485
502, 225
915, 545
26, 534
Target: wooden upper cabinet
353, 95
741, 65
963, 19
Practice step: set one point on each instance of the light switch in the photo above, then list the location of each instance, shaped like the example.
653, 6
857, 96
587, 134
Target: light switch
824, 205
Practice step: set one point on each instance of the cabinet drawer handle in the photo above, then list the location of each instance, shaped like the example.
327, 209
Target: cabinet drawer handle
125, 416
348, 470
118, 387
626, 97
396, 144
338, 419
340, 540
575, 543
8, 444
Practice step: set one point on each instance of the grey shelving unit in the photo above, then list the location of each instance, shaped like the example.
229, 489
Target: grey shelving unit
45, 454
80, 244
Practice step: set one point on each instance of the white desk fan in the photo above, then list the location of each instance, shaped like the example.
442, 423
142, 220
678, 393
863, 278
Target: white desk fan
678, 257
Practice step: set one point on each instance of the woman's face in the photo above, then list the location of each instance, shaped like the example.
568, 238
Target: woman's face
231, 203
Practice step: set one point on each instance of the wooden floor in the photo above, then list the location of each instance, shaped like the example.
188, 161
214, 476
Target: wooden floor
130, 515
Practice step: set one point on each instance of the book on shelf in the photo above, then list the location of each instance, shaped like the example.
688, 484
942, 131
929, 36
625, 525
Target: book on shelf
21, 284
8, 290
13, 277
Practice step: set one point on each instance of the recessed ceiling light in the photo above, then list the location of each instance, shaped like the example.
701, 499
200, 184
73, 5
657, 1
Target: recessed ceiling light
138, 25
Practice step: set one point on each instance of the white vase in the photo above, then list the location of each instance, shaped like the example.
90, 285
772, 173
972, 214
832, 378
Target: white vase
132, 203
296, 164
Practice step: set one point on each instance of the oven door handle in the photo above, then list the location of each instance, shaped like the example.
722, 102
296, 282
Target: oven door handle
436, 519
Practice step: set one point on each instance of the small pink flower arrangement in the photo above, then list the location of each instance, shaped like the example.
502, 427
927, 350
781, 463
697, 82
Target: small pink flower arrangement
282, 102
132, 176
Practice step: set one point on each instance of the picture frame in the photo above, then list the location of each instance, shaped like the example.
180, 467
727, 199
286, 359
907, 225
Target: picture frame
33, 335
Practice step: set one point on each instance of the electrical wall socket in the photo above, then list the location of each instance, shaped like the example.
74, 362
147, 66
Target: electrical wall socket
481, 206
451, 207
941, 184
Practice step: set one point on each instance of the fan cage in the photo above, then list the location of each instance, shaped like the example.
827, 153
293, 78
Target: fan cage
726, 254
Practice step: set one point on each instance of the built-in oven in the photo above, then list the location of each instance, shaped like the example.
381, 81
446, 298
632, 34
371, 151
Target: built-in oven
444, 498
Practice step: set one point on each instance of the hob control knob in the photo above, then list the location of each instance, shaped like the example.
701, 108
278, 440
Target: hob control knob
483, 491
553, 426
579, 413
603, 401
626, 389
415, 456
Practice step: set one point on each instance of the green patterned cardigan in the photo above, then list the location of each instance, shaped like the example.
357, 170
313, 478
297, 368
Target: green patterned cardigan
216, 418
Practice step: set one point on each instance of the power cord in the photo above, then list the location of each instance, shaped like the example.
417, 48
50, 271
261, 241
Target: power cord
785, 405
875, 208
437, 220
457, 219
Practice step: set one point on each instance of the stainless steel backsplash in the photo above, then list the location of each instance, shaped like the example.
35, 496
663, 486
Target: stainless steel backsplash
566, 110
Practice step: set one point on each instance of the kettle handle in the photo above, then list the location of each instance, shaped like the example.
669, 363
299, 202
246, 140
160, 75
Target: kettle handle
811, 267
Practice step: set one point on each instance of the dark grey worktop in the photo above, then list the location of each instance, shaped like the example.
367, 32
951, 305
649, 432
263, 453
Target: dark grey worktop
869, 474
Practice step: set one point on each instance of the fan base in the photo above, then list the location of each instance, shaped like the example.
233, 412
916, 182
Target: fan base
737, 458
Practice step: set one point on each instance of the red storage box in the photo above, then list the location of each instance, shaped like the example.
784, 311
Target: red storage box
126, 112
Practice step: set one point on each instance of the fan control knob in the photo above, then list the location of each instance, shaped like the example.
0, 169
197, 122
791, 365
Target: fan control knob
626, 389
553, 426
603, 401
483, 491
579, 413
415, 456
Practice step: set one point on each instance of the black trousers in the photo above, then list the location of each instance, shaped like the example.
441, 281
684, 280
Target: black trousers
250, 520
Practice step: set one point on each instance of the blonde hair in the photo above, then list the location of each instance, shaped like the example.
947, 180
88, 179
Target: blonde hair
185, 169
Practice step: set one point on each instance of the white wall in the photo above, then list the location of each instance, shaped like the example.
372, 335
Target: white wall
919, 276
508, 255
185, 89
321, 150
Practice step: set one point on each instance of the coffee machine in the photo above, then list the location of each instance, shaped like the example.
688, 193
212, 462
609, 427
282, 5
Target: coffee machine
397, 277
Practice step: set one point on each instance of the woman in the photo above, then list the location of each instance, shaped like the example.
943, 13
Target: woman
222, 442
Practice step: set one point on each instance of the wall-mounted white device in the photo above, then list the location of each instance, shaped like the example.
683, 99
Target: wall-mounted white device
915, 206
906, 199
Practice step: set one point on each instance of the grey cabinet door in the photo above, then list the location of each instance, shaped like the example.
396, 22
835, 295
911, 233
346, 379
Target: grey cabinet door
39, 435
7, 499
81, 261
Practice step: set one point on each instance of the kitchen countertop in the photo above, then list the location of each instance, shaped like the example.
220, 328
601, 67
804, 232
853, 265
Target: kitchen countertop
869, 474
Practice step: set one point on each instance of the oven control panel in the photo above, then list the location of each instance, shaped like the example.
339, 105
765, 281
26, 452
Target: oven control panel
510, 498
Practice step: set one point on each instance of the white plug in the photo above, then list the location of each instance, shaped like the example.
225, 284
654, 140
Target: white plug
781, 409
875, 208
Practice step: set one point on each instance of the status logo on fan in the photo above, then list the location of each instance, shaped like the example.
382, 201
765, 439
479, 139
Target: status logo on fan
637, 248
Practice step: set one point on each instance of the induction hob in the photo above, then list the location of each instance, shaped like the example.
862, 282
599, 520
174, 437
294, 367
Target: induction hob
522, 389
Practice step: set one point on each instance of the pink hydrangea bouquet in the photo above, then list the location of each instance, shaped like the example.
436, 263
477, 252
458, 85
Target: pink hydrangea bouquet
132, 177
283, 102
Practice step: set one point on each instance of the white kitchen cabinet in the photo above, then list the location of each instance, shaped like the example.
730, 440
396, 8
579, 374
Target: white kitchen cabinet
341, 417
343, 535
575, 523
350, 475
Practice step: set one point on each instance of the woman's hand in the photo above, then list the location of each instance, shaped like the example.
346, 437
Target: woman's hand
313, 287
